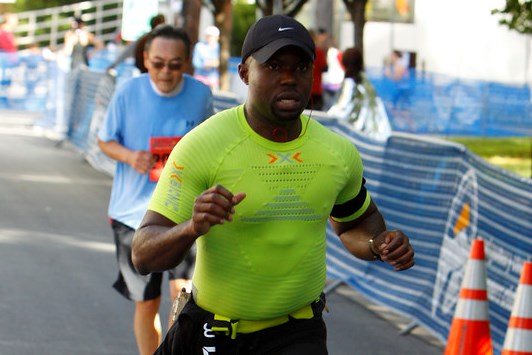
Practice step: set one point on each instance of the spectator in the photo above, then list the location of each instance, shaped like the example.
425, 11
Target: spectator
80, 44
206, 58
255, 186
333, 77
320, 66
396, 69
136, 49
358, 102
8, 23
146, 116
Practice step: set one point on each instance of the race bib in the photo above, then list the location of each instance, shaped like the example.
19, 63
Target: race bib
160, 148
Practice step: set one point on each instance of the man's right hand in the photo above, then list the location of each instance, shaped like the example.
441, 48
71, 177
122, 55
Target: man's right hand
214, 206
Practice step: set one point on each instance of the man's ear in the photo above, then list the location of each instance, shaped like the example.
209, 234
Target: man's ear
243, 73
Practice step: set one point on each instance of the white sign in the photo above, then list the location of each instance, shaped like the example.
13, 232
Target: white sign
136, 18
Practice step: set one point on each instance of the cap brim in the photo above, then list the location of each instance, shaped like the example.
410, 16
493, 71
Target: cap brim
263, 54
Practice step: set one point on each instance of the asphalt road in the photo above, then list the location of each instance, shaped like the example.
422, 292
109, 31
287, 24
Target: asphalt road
57, 263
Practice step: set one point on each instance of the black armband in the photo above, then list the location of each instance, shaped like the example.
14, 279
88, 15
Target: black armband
348, 208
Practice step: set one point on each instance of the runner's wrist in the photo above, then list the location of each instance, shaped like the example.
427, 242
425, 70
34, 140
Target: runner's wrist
374, 251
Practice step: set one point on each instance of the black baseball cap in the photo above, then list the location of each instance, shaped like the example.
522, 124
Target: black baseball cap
271, 33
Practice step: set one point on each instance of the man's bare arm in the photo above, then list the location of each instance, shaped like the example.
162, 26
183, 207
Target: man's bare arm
392, 246
160, 244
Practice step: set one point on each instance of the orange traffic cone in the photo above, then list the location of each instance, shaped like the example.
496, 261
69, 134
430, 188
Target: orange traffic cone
518, 340
470, 329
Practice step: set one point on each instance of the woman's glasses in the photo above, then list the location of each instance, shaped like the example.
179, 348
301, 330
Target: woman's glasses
171, 66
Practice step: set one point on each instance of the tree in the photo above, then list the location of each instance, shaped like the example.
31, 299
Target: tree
191, 18
517, 15
357, 11
27, 5
223, 19
244, 15
289, 7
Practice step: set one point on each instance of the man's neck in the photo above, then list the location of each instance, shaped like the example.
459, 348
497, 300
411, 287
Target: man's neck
275, 132
174, 92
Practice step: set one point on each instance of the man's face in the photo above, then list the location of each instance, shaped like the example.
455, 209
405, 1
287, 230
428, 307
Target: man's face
279, 89
166, 61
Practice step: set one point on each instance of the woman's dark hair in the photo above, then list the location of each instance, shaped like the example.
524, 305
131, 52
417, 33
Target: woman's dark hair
157, 20
169, 32
353, 64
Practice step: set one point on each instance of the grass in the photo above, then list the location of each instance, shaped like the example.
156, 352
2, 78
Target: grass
511, 153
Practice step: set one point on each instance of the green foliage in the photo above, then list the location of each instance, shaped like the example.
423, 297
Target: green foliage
517, 15
508, 146
28, 5
511, 153
243, 18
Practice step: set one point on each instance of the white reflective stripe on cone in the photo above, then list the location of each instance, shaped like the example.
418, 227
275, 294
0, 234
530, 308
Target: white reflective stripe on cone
518, 340
523, 299
475, 276
472, 310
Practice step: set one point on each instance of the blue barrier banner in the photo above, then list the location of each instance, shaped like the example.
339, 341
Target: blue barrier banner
424, 102
84, 86
443, 197
23, 81
437, 104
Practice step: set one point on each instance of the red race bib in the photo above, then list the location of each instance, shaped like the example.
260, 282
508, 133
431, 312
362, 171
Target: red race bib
160, 148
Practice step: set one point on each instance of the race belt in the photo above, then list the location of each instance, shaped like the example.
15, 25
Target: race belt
228, 327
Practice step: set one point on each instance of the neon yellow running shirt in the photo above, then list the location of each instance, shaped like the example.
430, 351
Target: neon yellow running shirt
249, 269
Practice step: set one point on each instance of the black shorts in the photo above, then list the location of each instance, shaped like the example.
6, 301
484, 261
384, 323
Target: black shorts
191, 334
130, 283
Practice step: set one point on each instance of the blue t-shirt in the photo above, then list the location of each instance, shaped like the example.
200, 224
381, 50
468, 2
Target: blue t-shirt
136, 113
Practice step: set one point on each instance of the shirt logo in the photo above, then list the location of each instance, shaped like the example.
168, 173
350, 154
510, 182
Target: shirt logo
279, 158
281, 29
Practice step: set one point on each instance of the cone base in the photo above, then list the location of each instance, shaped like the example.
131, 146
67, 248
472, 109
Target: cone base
469, 337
